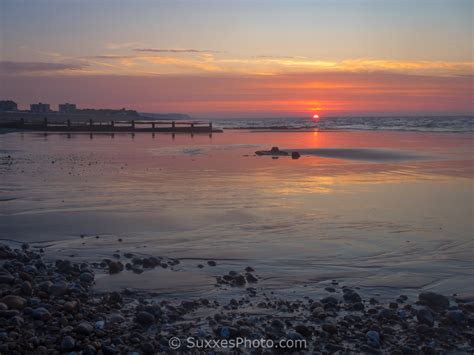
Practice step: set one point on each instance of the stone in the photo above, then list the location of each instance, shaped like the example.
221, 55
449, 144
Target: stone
330, 300
115, 267
276, 323
14, 302
148, 349
86, 277
211, 263
26, 288
373, 338
457, 317
68, 343
145, 318
274, 151
295, 155
71, 306
6, 278
250, 278
434, 300
84, 328
116, 318
41, 313
89, 350
240, 280
385, 314
100, 324
424, 316
329, 328
352, 297
58, 289
303, 330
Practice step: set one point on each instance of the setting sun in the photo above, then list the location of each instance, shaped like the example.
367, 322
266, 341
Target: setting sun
316, 117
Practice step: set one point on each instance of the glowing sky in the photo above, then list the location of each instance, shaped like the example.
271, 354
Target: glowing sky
238, 58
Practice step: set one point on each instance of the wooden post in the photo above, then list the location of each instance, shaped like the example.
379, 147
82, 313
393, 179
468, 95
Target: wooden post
46, 121
133, 124
192, 126
112, 123
69, 124
210, 126
153, 126
173, 124
91, 123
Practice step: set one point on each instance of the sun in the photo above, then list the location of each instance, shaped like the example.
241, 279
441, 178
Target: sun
316, 117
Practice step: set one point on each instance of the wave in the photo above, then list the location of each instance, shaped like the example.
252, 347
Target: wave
418, 123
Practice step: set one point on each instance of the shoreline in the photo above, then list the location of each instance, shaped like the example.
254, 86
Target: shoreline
52, 307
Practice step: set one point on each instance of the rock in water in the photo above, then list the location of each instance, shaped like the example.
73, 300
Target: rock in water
239, 280
115, 267
274, 151
295, 155
434, 300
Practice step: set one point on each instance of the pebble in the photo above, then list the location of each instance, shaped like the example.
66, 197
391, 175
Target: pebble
41, 313
84, 328
329, 328
373, 338
26, 288
14, 302
68, 343
6, 278
303, 330
457, 317
115, 267
434, 300
352, 296
145, 318
424, 316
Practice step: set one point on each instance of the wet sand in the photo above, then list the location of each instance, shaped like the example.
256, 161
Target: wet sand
387, 212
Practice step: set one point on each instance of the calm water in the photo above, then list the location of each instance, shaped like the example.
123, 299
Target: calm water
381, 210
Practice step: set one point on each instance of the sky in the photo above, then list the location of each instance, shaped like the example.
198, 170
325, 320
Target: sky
241, 58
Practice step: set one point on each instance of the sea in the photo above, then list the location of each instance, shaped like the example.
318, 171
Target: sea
374, 123
384, 204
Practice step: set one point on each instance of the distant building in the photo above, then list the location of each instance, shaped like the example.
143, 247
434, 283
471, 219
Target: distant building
8, 105
40, 108
67, 108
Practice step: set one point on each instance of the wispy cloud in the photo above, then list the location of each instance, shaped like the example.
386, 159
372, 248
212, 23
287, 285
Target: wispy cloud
174, 50
109, 56
123, 45
11, 67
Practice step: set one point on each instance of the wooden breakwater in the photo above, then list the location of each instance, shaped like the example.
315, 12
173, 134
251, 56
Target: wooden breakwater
111, 126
